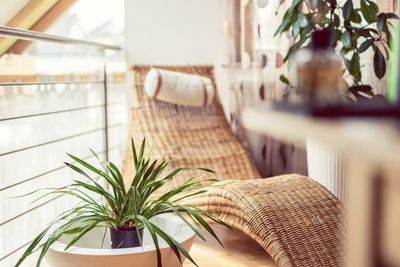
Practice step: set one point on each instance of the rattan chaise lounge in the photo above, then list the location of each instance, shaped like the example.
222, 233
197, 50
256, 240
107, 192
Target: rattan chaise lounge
296, 220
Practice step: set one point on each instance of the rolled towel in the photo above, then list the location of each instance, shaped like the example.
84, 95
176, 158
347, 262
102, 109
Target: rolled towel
179, 88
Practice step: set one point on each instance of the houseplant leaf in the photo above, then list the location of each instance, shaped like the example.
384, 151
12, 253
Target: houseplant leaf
348, 9
346, 39
379, 64
365, 45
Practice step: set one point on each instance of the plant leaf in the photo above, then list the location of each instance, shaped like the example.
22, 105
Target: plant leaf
302, 20
368, 9
381, 21
379, 64
153, 235
283, 79
346, 39
365, 45
348, 9
296, 29
355, 16
285, 25
392, 16
134, 154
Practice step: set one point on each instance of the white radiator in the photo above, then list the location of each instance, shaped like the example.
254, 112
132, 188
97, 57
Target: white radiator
326, 165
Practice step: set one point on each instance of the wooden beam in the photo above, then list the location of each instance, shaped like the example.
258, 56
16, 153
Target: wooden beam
25, 19
51, 16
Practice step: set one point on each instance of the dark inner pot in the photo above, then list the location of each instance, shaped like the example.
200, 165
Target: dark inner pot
126, 238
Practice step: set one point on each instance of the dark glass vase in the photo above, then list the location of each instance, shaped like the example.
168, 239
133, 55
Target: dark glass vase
126, 238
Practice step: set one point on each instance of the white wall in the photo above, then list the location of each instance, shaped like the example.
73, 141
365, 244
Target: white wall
174, 32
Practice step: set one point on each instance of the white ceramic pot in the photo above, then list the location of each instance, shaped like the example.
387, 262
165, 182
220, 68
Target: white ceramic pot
87, 252
327, 165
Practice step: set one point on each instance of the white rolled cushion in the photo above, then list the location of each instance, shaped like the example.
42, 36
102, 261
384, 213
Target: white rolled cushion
179, 88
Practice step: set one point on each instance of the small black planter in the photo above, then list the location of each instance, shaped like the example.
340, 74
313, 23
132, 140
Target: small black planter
121, 238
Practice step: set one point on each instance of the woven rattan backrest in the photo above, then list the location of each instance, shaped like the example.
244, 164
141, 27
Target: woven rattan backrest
201, 135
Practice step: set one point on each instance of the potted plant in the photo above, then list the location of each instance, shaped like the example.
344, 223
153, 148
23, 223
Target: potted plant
124, 210
357, 30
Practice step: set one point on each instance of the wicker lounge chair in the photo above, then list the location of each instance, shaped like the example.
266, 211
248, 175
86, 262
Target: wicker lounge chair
296, 220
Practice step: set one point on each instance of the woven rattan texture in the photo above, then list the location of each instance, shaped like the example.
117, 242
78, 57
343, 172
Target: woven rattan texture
192, 136
295, 219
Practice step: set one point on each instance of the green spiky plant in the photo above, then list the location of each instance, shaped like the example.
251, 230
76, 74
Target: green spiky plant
124, 208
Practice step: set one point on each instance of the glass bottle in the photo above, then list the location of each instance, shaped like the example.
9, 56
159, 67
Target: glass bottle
319, 70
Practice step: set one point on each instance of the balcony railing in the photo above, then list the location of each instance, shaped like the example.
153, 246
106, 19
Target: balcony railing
41, 118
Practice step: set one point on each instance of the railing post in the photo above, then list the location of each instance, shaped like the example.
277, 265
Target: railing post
105, 112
